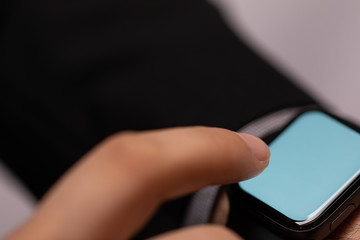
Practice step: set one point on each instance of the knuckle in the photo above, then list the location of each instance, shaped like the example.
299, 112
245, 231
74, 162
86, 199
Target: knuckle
130, 150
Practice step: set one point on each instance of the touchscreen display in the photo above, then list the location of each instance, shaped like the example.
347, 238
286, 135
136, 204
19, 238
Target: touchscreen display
311, 162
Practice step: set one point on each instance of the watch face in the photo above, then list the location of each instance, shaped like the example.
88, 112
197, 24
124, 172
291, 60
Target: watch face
312, 161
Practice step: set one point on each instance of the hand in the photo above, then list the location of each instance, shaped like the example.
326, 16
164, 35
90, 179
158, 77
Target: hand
114, 189
349, 229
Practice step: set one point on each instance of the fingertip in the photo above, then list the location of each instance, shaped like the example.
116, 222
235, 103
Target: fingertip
259, 148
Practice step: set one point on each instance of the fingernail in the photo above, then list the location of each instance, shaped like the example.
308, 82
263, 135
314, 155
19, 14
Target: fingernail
259, 148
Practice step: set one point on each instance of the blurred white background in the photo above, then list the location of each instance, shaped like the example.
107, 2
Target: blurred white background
316, 43
16, 204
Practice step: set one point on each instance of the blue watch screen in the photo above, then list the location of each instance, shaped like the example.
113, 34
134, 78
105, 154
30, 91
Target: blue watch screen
311, 162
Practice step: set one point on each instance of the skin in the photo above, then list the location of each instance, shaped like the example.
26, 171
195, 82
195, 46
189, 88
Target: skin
349, 229
113, 190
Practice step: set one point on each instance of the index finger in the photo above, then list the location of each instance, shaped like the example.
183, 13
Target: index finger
187, 159
115, 188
